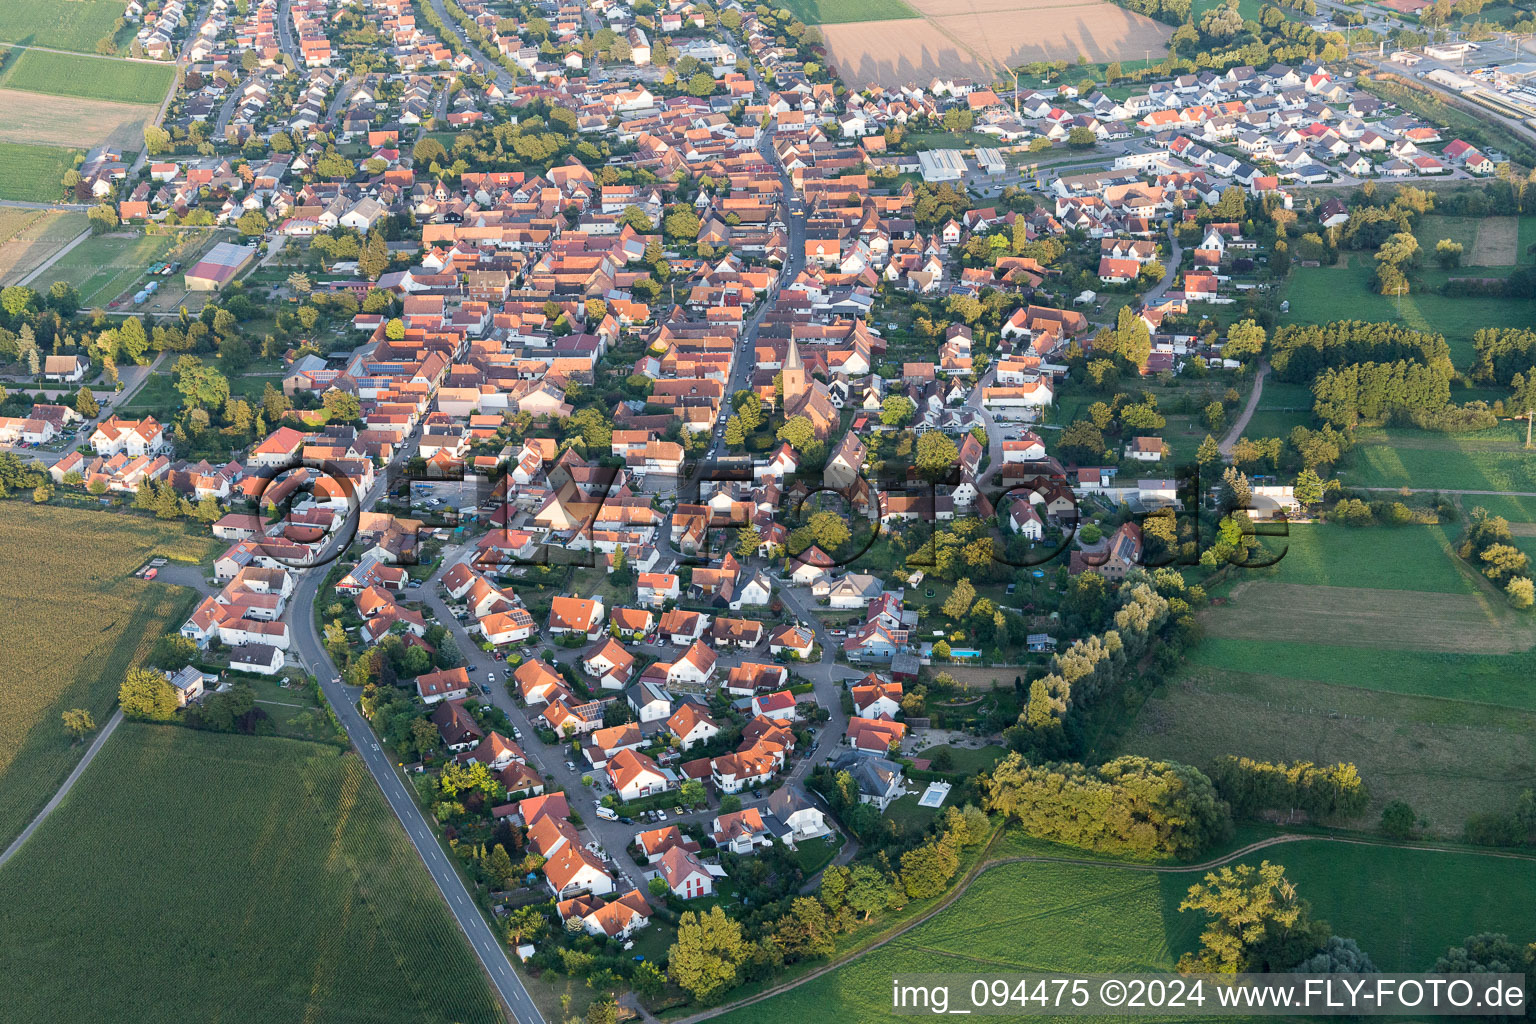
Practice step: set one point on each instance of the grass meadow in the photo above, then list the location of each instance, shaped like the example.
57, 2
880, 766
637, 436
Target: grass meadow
834, 12
77, 619
1405, 907
1329, 555
68, 25
233, 877
1323, 294
60, 74
33, 174
1375, 646
1488, 460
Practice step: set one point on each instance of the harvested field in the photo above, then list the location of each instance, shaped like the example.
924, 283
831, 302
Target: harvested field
977, 39
1366, 617
1496, 242
71, 122
28, 237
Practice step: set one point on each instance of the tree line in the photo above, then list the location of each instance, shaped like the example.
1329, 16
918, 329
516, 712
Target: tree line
1302, 351
1252, 787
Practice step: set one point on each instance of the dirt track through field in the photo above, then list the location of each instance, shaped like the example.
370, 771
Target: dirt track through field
1497, 243
1366, 617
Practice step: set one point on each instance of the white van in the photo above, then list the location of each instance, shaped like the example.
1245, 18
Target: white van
607, 813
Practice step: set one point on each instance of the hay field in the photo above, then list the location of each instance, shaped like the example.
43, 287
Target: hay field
58, 121
1362, 617
76, 620
1496, 245
830, 12
28, 237
204, 877
1448, 758
977, 38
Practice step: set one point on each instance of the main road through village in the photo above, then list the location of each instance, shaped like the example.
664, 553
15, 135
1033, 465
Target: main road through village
827, 678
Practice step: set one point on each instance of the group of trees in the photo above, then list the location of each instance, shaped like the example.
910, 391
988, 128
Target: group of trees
1258, 923
1252, 787
1092, 667
1378, 392
1131, 806
1490, 548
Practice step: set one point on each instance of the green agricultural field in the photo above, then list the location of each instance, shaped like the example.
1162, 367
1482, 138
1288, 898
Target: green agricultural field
33, 174
1489, 460
234, 878
107, 267
76, 620
834, 12
1321, 294
66, 24
59, 74
1080, 919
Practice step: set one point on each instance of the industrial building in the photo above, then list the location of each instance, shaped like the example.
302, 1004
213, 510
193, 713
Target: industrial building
941, 165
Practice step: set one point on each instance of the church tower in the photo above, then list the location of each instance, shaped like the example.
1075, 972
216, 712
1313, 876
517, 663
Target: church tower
794, 376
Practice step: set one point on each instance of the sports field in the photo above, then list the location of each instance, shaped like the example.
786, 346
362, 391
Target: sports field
234, 878
1404, 907
76, 620
28, 237
33, 174
108, 267
66, 24
60, 74
1322, 294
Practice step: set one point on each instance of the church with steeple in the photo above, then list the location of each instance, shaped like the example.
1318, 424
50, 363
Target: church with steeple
806, 397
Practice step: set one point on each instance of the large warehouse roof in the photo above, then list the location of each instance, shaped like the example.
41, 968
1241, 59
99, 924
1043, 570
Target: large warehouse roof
221, 263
